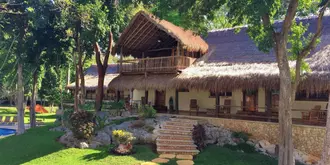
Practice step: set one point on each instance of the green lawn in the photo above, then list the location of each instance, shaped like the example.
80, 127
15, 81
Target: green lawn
38, 146
46, 117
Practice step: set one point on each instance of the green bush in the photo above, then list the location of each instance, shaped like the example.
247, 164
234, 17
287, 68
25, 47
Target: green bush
82, 125
147, 111
65, 117
241, 135
241, 147
122, 137
149, 128
199, 136
101, 122
89, 106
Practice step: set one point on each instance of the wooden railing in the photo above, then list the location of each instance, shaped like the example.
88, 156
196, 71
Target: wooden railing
158, 64
307, 117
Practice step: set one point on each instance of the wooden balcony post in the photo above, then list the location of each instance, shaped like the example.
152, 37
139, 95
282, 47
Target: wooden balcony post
121, 60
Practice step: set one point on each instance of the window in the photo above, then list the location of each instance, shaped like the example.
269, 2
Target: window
303, 95
227, 94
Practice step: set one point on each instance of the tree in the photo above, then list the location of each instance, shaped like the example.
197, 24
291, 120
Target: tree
101, 70
260, 17
14, 22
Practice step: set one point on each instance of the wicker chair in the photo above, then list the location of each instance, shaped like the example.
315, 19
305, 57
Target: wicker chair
193, 106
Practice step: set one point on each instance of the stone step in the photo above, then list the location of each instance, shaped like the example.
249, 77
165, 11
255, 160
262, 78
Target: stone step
174, 127
177, 147
175, 132
174, 142
184, 120
174, 137
178, 152
177, 123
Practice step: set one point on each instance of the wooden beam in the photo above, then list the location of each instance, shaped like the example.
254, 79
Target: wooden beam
269, 102
146, 93
118, 96
135, 31
132, 40
154, 50
244, 100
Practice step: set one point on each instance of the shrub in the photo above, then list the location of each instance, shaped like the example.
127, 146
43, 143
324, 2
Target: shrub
241, 147
122, 137
88, 106
147, 111
82, 125
101, 122
149, 128
65, 117
199, 136
241, 135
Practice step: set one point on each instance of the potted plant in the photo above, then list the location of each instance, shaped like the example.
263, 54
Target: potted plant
124, 140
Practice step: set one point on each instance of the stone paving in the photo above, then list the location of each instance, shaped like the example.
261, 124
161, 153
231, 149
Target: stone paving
181, 159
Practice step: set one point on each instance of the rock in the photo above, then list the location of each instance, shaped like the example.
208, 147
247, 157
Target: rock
270, 149
160, 160
83, 145
94, 144
68, 139
249, 142
149, 163
167, 156
102, 138
185, 157
264, 143
218, 135
185, 162
312, 160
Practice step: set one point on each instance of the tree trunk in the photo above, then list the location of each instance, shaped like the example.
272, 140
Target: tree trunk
20, 98
285, 116
76, 90
77, 52
326, 147
33, 100
100, 89
101, 70
82, 79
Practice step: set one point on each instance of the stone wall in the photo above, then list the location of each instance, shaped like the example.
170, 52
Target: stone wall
308, 139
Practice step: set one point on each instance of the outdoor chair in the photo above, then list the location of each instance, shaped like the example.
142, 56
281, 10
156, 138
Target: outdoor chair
7, 120
14, 121
315, 115
193, 106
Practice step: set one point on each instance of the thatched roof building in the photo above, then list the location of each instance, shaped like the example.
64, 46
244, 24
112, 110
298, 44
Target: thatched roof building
91, 77
147, 32
234, 61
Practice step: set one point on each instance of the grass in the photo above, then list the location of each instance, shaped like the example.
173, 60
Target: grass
11, 111
38, 146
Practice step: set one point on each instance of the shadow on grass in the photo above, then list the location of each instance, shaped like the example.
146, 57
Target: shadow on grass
143, 153
35, 143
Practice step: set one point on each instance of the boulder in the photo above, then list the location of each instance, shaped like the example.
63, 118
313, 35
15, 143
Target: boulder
264, 143
83, 145
94, 144
102, 138
270, 149
218, 135
68, 139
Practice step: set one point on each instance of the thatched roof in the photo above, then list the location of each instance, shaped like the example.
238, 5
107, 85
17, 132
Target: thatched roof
91, 77
235, 62
127, 82
147, 32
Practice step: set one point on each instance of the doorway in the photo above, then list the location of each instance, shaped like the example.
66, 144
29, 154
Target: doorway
160, 101
250, 100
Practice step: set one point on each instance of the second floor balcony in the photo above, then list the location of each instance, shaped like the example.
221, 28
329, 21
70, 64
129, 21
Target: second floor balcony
158, 64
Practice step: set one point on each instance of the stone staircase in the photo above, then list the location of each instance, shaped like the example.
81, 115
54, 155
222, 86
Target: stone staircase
175, 137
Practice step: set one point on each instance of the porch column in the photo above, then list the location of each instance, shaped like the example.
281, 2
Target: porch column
118, 96
121, 60
269, 103
217, 103
177, 101
146, 96
244, 101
